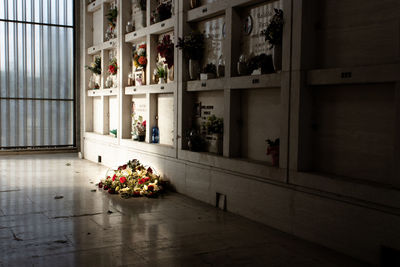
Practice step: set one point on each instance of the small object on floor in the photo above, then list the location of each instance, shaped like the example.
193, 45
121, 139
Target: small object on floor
88, 233
93, 190
58, 197
68, 164
109, 212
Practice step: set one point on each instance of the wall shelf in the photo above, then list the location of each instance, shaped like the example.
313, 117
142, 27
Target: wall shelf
94, 49
207, 85
103, 92
157, 28
151, 89
355, 75
110, 44
96, 5
207, 11
256, 81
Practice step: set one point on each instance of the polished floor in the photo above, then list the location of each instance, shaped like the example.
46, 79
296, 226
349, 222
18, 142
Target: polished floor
50, 215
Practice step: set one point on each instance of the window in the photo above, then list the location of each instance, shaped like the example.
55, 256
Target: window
36, 74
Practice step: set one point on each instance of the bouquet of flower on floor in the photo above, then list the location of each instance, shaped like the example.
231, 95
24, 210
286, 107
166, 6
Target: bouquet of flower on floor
133, 180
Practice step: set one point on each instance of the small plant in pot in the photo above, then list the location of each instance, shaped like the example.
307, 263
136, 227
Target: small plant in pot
208, 72
160, 73
273, 150
95, 68
273, 34
214, 127
139, 128
193, 48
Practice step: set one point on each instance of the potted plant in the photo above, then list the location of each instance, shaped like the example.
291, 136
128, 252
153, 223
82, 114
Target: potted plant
193, 47
139, 129
166, 50
273, 34
273, 150
208, 72
214, 127
160, 73
95, 68
140, 63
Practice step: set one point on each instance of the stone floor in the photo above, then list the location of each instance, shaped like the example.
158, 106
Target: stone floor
86, 228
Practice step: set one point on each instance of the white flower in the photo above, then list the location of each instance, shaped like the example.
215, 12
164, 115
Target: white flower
141, 51
145, 187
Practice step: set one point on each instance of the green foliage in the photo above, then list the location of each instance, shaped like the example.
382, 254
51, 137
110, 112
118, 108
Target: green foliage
214, 125
95, 67
192, 45
112, 16
273, 32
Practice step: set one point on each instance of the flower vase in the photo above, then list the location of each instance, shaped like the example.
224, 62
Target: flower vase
171, 74
194, 69
161, 80
277, 57
97, 80
215, 143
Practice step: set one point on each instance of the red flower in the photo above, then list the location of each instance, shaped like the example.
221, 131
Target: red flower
150, 187
115, 176
122, 180
106, 187
142, 60
149, 170
144, 123
146, 179
143, 46
100, 185
141, 181
112, 69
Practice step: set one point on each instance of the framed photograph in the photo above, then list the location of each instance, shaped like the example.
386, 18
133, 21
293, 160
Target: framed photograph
248, 25
140, 78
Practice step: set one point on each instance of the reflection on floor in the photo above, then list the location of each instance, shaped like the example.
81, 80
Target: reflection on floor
85, 228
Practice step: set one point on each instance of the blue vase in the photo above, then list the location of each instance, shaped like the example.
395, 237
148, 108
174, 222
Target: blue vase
155, 135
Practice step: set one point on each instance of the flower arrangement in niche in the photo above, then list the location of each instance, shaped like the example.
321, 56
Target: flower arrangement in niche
139, 57
133, 180
192, 45
273, 32
139, 128
164, 11
160, 73
95, 67
112, 17
166, 50
113, 67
